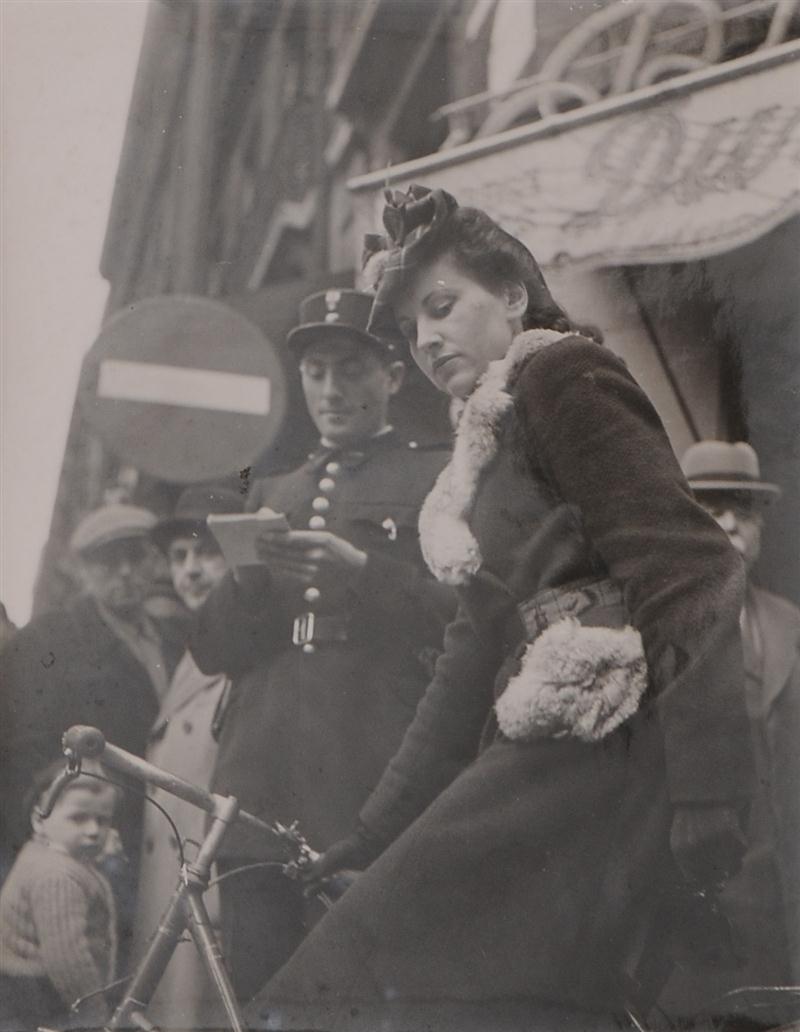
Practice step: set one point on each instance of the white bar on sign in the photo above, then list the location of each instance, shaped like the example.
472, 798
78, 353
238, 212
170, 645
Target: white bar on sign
177, 385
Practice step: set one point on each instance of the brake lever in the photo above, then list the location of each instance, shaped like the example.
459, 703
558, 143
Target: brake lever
333, 887
69, 773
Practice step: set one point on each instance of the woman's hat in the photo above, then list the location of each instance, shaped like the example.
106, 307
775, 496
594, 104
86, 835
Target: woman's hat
418, 225
332, 314
193, 506
721, 466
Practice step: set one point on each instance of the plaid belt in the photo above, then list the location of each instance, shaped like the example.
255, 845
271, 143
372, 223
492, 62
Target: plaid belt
596, 603
311, 628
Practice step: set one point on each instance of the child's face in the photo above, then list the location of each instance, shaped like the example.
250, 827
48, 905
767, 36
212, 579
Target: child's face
80, 821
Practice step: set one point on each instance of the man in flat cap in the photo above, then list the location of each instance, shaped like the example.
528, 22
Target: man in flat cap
99, 662
762, 902
329, 641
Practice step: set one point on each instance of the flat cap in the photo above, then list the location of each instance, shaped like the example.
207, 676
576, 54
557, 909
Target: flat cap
111, 523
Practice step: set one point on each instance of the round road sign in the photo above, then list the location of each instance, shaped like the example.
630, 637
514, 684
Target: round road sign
184, 388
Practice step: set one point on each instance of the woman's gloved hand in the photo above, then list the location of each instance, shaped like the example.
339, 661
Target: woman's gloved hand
707, 843
353, 853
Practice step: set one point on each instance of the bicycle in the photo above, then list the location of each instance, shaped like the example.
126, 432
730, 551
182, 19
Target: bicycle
185, 910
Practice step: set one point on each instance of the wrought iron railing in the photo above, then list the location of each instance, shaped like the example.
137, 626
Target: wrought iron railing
576, 73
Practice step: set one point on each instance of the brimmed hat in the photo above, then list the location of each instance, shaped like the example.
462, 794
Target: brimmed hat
334, 313
193, 506
110, 523
720, 466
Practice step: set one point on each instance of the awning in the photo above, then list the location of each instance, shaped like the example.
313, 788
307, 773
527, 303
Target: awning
677, 171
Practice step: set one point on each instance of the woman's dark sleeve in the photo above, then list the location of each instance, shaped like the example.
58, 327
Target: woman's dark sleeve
602, 446
445, 734
238, 624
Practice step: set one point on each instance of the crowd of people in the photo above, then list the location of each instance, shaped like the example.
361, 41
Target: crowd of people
521, 681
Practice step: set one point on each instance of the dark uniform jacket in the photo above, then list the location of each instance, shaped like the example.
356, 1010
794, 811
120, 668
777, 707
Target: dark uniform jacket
68, 668
528, 869
308, 730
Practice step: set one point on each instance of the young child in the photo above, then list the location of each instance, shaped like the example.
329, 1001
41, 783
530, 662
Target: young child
57, 914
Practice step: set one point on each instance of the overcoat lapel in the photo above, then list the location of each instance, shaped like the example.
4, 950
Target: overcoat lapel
779, 647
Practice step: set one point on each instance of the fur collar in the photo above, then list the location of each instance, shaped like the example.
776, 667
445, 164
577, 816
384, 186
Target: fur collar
448, 544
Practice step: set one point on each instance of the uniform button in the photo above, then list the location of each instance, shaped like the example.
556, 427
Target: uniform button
413, 444
317, 523
311, 594
308, 648
333, 468
320, 505
327, 485
187, 727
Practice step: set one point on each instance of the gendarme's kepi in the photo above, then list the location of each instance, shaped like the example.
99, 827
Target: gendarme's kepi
334, 313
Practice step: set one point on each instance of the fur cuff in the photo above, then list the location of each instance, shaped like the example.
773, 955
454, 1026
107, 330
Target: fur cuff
581, 682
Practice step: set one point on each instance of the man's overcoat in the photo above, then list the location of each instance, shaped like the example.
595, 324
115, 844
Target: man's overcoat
64, 668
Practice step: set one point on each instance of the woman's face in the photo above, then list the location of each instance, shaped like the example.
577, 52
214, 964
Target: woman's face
455, 326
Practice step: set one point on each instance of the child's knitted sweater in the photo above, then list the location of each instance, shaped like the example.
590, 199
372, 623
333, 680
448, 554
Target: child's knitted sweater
58, 920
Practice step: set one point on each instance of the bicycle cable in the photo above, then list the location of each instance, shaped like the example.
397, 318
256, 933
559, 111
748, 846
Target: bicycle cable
140, 791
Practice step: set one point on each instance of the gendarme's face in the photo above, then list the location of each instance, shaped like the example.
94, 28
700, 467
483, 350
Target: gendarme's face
80, 821
119, 575
455, 326
197, 566
347, 389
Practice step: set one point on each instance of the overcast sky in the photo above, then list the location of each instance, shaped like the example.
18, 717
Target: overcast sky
67, 74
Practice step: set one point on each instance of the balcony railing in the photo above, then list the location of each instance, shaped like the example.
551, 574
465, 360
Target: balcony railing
576, 73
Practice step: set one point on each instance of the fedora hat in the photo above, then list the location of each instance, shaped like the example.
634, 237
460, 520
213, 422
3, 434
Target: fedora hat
336, 313
194, 505
720, 466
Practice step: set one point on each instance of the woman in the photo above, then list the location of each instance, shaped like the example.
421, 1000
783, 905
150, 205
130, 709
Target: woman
527, 829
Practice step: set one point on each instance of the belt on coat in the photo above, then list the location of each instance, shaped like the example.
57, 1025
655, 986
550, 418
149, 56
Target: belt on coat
599, 602
312, 629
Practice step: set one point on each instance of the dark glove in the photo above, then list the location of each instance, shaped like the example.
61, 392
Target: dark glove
353, 853
707, 843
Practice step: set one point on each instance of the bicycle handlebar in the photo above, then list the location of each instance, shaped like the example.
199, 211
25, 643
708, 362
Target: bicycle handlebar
83, 742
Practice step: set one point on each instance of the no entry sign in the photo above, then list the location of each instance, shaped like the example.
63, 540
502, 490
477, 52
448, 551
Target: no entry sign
184, 388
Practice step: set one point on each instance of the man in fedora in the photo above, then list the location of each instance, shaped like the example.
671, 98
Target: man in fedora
328, 641
761, 902
182, 741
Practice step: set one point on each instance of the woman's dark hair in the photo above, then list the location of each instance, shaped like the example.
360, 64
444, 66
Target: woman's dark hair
493, 257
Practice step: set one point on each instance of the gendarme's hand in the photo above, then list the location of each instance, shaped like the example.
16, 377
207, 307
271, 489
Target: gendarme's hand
307, 556
707, 843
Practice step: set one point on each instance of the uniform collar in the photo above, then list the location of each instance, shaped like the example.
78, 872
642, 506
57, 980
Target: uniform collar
353, 455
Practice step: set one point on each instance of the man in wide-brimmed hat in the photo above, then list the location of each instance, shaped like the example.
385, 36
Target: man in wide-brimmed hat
327, 641
762, 902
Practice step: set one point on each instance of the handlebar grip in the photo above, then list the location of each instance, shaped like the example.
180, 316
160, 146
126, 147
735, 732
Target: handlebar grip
83, 741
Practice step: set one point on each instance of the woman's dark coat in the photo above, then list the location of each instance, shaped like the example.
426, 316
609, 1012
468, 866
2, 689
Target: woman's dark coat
530, 872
